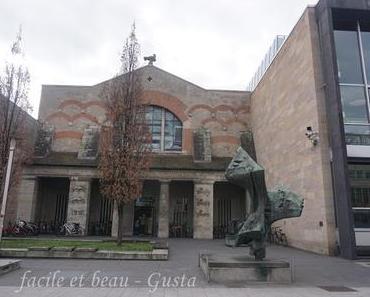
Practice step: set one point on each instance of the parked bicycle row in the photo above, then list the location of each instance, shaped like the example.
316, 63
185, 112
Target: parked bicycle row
23, 228
275, 235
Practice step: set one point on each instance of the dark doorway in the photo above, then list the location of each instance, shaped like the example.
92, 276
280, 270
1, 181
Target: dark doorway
52, 203
145, 210
181, 209
229, 208
100, 213
144, 217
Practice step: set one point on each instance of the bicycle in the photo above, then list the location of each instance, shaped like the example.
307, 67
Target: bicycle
277, 236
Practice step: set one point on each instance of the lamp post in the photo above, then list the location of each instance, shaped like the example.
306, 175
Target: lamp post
6, 185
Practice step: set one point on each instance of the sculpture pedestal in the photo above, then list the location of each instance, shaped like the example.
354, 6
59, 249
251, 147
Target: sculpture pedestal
231, 240
244, 269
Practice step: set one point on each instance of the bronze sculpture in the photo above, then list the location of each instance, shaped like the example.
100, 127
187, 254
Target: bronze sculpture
267, 207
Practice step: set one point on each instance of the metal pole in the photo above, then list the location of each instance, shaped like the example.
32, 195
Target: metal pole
6, 186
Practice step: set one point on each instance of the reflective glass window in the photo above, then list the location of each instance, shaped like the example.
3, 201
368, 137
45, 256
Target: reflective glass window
357, 134
348, 57
361, 218
360, 194
354, 104
165, 129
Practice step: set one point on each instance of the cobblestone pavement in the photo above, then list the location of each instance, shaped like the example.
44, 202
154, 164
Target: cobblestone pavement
149, 278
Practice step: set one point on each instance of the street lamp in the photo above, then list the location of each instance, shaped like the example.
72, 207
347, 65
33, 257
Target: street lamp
6, 185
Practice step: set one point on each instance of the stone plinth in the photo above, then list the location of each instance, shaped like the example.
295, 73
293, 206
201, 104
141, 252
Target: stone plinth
244, 269
231, 240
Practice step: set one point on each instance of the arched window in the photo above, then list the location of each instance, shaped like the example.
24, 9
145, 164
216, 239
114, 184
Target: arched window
165, 129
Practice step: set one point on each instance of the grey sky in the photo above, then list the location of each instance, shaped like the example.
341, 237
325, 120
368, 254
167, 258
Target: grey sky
217, 44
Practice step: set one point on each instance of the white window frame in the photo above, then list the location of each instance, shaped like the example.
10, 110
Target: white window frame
163, 122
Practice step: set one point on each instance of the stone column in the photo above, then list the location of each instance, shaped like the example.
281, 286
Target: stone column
203, 209
164, 209
27, 199
128, 219
78, 202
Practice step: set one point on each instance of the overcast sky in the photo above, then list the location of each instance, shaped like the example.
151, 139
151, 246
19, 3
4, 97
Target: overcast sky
217, 44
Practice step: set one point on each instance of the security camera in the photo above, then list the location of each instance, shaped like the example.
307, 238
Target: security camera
308, 131
312, 135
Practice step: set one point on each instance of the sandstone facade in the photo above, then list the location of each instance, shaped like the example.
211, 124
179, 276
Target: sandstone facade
287, 100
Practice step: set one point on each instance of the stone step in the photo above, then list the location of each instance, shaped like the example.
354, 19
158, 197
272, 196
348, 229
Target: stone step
243, 269
8, 265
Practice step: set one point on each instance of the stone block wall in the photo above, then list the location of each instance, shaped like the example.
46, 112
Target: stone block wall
289, 98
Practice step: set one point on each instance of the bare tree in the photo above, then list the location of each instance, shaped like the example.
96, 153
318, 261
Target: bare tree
14, 106
124, 145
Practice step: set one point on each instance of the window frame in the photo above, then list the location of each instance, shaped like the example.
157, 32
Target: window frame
359, 182
365, 85
162, 147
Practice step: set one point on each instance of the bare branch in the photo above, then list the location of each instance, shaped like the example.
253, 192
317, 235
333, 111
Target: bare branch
14, 105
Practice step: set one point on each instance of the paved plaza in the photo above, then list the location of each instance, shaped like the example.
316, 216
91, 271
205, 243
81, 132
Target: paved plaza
314, 275
193, 292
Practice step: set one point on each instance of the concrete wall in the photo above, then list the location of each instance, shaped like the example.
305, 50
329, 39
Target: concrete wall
72, 109
288, 99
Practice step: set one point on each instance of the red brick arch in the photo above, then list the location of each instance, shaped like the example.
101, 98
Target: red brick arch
68, 134
172, 103
69, 118
80, 104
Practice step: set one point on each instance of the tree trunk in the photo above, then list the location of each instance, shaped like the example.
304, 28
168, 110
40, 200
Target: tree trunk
120, 224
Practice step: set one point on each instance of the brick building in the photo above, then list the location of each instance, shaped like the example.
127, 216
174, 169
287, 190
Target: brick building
317, 79
194, 131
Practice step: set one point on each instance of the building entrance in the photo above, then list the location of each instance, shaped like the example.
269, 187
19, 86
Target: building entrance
229, 208
52, 204
181, 209
144, 217
100, 212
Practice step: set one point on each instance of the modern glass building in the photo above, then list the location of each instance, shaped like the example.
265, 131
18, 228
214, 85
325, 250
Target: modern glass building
352, 45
